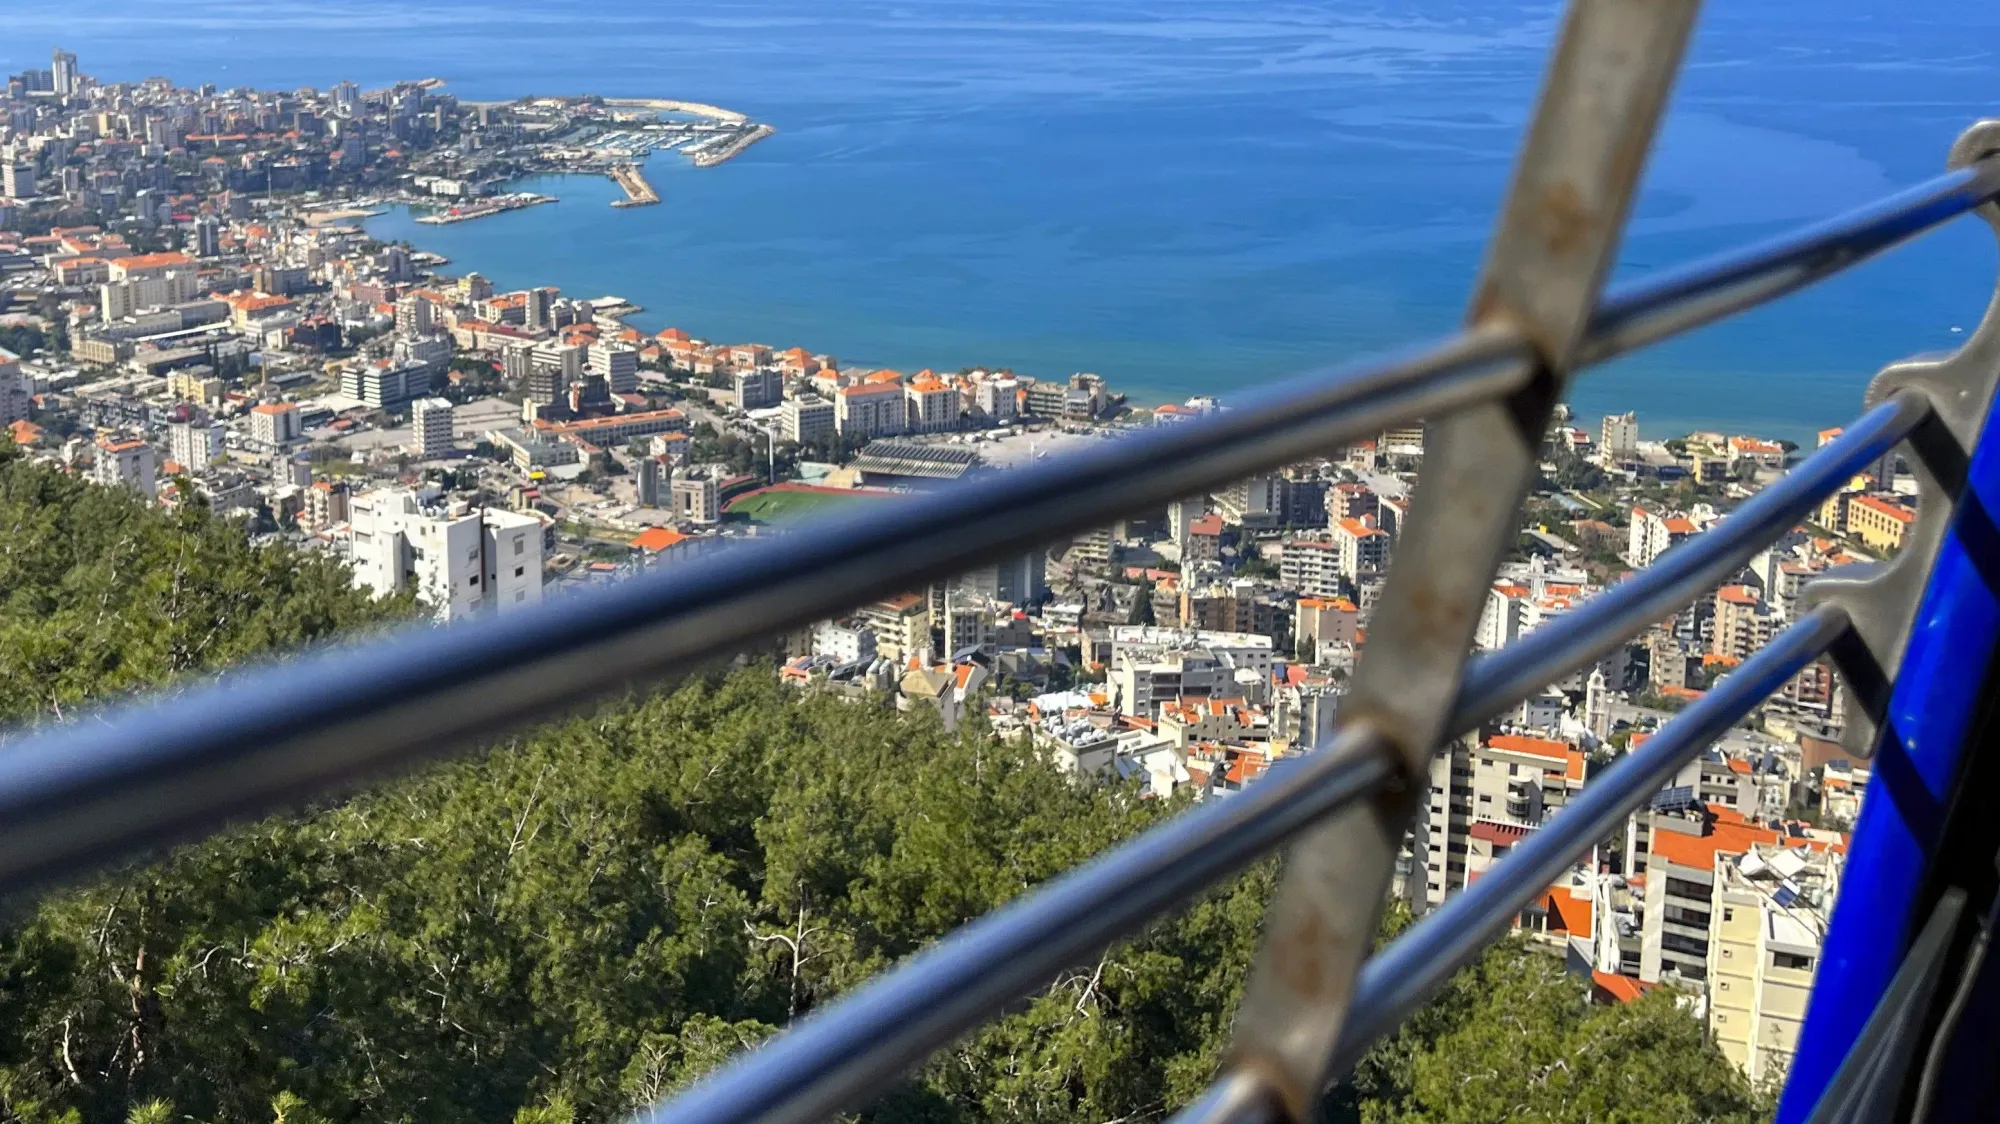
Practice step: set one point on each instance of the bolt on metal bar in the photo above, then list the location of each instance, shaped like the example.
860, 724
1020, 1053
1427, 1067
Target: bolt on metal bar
1555, 242
1578, 639
835, 1059
168, 767
1400, 978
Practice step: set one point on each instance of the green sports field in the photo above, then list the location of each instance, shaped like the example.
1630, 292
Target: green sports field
779, 506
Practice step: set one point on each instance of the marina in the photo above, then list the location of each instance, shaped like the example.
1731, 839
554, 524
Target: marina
486, 207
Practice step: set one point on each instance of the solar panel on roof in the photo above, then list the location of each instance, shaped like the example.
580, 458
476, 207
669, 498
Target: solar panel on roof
1679, 798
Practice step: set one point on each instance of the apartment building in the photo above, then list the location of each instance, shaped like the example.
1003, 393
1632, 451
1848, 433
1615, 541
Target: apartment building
1150, 666
383, 383
1619, 437
325, 504
431, 423
1238, 605
933, 405
617, 364
1880, 522
274, 425
1325, 620
124, 462
1363, 548
901, 624
997, 400
460, 560
1485, 797
758, 388
1653, 532
696, 497
807, 419
1689, 842
1742, 622
1769, 914
870, 410
1311, 567
195, 444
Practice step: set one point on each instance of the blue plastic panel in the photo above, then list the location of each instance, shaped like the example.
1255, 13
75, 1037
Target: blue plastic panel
1931, 709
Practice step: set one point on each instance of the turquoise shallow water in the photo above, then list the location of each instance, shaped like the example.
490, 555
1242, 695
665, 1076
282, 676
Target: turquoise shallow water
1185, 195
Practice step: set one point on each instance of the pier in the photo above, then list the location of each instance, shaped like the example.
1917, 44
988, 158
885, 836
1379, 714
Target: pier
709, 158
638, 192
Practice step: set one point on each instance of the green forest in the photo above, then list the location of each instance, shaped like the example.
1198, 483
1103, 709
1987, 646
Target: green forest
583, 920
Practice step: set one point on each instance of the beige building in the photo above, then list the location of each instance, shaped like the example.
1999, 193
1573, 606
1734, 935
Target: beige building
1742, 623
933, 405
872, 409
274, 424
1363, 548
1483, 800
1619, 438
1325, 620
902, 624
1879, 522
1770, 910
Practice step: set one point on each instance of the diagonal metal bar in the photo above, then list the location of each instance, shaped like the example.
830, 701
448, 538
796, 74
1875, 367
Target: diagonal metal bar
1557, 237
1579, 639
836, 1057
1401, 977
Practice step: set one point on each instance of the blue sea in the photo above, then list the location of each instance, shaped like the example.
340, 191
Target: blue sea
1187, 196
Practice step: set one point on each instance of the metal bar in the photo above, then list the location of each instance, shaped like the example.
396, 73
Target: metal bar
1924, 628
1870, 1078
159, 770
1400, 978
1578, 639
1555, 241
268, 736
833, 1060
1525, 667
1675, 301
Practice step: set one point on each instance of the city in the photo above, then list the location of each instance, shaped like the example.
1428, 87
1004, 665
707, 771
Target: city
187, 312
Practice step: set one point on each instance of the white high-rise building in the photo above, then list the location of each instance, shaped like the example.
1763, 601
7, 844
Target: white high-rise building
16, 390
124, 462
275, 425
63, 68
806, 418
617, 364
459, 560
430, 419
1620, 438
194, 444
17, 176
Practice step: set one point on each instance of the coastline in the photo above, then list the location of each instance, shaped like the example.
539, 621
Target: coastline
692, 108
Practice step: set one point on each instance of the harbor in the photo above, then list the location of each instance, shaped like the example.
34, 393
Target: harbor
484, 208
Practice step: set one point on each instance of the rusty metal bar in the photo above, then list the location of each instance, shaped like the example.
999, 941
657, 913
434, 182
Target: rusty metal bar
1556, 240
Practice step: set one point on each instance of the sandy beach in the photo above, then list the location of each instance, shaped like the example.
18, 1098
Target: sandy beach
698, 109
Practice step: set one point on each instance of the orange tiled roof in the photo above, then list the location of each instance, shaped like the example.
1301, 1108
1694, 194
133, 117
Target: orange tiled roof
1534, 747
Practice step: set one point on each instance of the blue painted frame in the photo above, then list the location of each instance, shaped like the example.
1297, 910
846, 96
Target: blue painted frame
1918, 757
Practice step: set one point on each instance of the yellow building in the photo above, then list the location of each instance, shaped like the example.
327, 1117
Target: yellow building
1879, 522
1769, 910
204, 390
